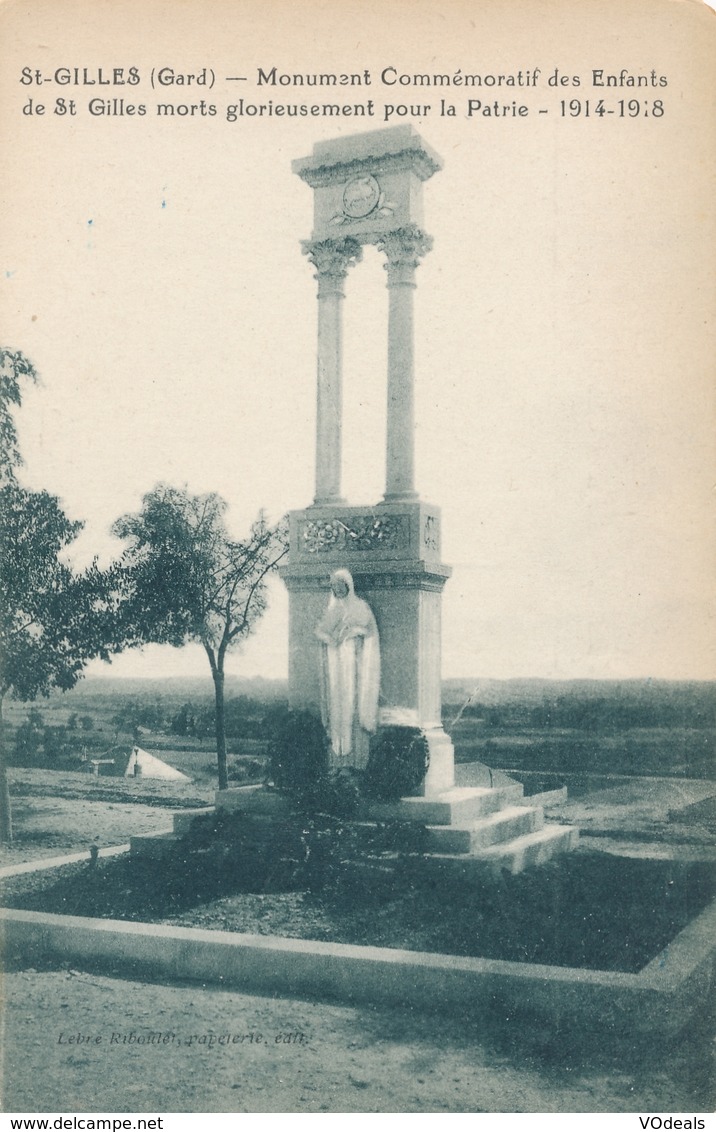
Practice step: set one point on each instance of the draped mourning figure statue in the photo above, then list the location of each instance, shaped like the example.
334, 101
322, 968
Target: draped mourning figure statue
350, 673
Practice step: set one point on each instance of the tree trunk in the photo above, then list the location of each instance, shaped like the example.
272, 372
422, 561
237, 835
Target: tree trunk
5, 810
218, 676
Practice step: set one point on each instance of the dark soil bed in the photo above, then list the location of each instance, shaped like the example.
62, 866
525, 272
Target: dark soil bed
582, 910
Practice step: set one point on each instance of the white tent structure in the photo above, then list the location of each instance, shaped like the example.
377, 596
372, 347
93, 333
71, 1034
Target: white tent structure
148, 766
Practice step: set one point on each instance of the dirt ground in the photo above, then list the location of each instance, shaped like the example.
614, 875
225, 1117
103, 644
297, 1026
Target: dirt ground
330, 1058
49, 826
312, 1057
640, 806
57, 812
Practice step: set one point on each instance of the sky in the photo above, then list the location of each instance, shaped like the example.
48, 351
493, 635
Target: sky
564, 335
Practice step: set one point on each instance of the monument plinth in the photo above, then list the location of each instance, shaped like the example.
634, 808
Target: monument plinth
368, 191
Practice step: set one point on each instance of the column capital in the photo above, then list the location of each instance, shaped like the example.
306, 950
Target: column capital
404, 247
332, 258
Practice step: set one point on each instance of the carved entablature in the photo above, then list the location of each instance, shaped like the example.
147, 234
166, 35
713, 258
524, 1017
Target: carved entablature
366, 184
391, 576
417, 157
428, 581
355, 534
405, 532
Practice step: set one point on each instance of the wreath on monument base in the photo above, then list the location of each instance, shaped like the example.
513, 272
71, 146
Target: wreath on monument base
398, 763
298, 750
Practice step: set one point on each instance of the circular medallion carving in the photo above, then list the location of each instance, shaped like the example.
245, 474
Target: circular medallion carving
360, 197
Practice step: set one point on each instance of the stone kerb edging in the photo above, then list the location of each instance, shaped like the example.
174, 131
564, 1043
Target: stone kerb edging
41, 863
660, 999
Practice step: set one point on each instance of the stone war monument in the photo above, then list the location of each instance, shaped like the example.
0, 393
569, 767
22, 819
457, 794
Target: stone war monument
365, 582
367, 191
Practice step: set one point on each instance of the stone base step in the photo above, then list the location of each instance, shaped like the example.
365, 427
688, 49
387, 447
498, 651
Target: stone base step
533, 848
183, 818
457, 807
511, 856
499, 827
480, 774
153, 846
460, 805
253, 800
470, 829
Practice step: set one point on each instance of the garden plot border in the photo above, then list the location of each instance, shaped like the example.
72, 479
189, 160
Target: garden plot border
659, 1000
40, 863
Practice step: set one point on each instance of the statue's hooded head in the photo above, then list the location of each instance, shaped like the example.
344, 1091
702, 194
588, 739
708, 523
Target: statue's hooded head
343, 608
342, 584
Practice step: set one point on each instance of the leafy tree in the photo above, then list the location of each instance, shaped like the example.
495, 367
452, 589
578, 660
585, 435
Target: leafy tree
14, 367
187, 581
135, 714
53, 742
28, 739
204, 723
183, 722
52, 619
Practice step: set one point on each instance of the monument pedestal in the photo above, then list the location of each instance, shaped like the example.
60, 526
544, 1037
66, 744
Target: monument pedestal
367, 191
393, 552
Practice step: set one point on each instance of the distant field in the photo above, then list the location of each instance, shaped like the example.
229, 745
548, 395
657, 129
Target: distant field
629, 727
658, 751
598, 727
200, 765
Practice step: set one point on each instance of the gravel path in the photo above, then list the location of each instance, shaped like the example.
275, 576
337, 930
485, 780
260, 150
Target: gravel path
327, 1058
48, 827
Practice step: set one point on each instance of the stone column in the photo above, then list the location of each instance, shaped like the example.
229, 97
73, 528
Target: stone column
403, 248
331, 258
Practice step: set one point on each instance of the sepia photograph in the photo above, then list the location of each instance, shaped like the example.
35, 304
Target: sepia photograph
357, 624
